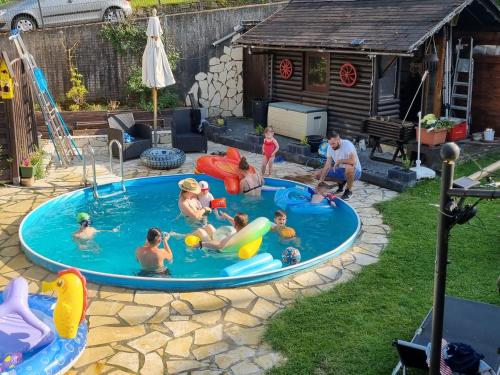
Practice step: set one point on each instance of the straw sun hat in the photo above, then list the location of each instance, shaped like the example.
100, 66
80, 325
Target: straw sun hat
190, 185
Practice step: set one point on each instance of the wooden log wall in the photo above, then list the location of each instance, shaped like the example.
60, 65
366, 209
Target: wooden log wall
18, 131
347, 107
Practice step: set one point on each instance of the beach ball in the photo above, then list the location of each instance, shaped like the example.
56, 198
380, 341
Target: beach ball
323, 147
290, 256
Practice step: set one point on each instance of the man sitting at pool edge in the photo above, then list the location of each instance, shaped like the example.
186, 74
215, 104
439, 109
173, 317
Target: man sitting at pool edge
346, 167
151, 257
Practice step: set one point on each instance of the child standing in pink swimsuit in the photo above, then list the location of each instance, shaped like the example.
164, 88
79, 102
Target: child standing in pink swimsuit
269, 149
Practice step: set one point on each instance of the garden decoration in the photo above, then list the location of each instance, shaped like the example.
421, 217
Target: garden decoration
348, 75
156, 72
286, 68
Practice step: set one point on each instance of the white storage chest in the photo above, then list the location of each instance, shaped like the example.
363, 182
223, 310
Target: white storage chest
296, 120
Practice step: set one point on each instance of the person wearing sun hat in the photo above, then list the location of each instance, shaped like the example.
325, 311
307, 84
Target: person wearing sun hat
189, 204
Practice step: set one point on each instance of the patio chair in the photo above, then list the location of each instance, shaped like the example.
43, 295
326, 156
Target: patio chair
410, 355
141, 134
186, 134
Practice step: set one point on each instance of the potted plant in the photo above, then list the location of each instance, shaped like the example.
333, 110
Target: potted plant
301, 148
256, 137
36, 160
26, 169
433, 130
216, 126
403, 173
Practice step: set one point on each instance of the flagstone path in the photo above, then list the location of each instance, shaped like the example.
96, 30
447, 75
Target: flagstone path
211, 332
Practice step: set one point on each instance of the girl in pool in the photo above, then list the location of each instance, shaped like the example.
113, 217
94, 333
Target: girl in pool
269, 149
251, 183
188, 203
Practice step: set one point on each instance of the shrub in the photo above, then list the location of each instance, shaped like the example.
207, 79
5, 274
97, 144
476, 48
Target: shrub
77, 94
259, 129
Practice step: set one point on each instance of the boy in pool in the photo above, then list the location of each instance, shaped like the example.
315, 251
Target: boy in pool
323, 192
87, 232
151, 257
280, 227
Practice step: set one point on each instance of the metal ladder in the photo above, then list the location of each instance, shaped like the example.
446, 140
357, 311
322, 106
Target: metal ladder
462, 82
64, 144
104, 179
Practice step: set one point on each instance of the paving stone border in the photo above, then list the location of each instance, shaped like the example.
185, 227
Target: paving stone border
210, 332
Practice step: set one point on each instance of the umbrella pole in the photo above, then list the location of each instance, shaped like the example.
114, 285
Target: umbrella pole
155, 116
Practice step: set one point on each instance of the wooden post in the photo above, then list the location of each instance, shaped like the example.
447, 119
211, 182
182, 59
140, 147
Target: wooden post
438, 86
155, 115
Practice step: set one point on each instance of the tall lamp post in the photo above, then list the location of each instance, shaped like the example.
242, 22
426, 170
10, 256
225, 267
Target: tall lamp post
450, 213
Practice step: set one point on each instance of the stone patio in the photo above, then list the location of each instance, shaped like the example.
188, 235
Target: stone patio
210, 332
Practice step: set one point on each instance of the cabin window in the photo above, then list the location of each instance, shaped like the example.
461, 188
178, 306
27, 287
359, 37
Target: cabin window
317, 67
388, 77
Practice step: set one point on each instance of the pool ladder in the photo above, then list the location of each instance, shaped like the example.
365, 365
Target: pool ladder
88, 151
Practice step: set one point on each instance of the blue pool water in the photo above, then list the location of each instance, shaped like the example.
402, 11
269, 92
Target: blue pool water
46, 233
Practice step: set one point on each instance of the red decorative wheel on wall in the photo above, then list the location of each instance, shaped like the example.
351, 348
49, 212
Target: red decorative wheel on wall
286, 68
348, 75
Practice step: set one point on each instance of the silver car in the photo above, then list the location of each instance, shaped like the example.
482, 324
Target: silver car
27, 15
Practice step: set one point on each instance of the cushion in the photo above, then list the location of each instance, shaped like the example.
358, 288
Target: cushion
196, 121
127, 138
122, 121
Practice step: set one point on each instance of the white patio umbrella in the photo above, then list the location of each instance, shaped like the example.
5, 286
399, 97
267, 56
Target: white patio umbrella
156, 72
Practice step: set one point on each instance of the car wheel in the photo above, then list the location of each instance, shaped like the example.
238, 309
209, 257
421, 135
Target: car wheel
24, 23
113, 15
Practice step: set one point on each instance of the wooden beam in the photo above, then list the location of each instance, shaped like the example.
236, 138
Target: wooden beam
438, 86
486, 171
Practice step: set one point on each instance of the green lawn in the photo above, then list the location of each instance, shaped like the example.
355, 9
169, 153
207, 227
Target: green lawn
349, 329
150, 3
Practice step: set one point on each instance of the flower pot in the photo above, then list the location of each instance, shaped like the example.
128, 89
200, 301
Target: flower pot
26, 172
27, 181
299, 148
433, 138
314, 141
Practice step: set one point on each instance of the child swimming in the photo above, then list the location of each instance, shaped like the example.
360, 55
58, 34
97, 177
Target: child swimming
280, 227
323, 192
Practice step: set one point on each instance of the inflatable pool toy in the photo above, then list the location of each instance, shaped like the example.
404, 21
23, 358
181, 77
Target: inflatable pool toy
82, 216
163, 158
257, 264
70, 287
253, 231
192, 240
250, 249
30, 343
287, 232
223, 232
224, 168
218, 203
297, 200
290, 256
10, 361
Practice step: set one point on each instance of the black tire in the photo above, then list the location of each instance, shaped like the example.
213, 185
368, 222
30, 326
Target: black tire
24, 22
113, 14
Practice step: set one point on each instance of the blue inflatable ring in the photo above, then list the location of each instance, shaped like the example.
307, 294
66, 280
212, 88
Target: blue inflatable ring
60, 354
298, 201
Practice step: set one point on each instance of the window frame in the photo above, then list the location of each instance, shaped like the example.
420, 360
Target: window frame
314, 87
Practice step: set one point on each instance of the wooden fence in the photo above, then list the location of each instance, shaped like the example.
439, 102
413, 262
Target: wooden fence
18, 131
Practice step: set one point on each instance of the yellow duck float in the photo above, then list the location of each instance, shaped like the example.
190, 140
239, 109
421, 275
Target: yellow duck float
71, 291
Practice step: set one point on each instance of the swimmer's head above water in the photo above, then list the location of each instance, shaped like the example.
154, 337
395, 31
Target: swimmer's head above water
83, 219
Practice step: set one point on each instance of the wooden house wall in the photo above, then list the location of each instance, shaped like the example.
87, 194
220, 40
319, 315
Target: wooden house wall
18, 131
347, 107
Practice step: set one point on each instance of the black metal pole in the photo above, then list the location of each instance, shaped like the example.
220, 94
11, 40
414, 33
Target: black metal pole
449, 153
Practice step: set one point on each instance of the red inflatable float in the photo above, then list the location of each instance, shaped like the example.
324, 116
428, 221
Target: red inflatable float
224, 168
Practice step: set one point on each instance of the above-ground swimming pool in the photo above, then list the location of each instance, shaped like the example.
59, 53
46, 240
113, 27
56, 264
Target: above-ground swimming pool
46, 235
